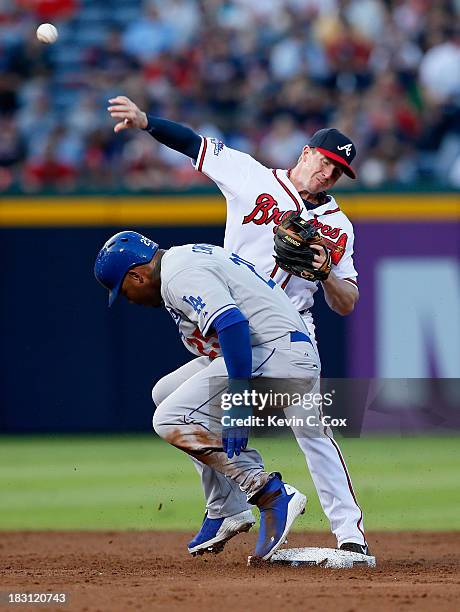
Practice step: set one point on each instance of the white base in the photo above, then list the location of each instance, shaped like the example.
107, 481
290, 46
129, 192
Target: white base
322, 557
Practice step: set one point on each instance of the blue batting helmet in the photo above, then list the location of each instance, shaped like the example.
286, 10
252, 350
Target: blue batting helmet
119, 254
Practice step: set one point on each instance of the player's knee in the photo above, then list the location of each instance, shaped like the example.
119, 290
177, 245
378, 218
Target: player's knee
166, 430
155, 395
159, 424
167, 424
160, 391
163, 422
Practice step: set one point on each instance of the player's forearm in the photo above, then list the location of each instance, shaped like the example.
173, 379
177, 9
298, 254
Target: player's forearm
341, 296
174, 135
236, 350
235, 342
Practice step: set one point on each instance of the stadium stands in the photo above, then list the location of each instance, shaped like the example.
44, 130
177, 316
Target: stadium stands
260, 75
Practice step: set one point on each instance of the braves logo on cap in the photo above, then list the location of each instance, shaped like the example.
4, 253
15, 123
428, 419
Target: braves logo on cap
330, 143
346, 148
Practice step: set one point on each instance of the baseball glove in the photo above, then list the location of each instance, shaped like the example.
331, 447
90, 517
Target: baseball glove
293, 239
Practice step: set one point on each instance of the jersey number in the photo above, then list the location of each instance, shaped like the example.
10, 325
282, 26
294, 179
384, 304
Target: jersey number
201, 344
240, 261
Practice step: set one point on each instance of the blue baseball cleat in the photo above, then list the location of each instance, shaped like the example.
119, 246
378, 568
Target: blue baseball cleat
215, 533
279, 505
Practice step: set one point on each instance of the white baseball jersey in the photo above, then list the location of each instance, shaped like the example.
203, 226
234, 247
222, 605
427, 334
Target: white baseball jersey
258, 196
199, 282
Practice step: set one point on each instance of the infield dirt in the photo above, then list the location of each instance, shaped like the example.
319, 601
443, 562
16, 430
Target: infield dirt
120, 571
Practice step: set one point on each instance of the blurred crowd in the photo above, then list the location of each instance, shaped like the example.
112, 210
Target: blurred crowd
262, 75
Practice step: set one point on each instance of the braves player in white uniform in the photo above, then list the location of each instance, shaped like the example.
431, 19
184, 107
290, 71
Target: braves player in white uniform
260, 334
257, 200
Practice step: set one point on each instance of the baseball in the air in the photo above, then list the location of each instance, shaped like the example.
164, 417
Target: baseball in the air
47, 33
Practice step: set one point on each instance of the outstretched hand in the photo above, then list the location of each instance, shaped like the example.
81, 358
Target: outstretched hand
131, 115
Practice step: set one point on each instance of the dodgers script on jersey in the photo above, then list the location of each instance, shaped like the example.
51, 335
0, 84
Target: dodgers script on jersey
258, 196
199, 282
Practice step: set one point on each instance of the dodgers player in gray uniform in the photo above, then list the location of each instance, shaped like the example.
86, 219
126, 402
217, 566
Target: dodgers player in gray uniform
208, 290
257, 200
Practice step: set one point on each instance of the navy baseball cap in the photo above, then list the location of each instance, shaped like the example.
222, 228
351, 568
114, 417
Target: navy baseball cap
336, 146
119, 254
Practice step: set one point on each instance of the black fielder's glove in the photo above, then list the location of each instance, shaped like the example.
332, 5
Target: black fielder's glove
293, 252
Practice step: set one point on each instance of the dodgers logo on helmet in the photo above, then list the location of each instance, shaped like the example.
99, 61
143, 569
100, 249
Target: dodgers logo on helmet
119, 254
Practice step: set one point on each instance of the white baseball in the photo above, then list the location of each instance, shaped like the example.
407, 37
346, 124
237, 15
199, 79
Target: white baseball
47, 33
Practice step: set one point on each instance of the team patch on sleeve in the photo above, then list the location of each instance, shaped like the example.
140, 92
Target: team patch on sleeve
218, 145
196, 303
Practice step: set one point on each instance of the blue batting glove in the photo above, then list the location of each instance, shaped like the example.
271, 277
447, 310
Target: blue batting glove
235, 426
234, 440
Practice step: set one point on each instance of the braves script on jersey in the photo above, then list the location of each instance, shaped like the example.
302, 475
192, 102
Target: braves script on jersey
258, 196
200, 282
